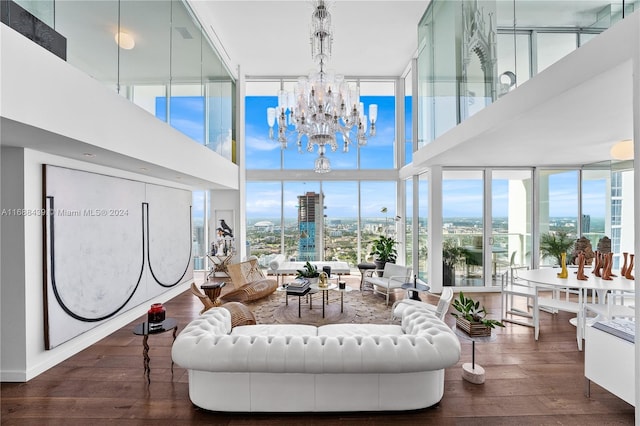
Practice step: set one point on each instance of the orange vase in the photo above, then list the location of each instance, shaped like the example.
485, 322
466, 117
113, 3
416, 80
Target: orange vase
623, 271
629, 269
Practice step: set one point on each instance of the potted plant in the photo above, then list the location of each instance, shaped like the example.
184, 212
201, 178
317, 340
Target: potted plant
383, 249
554, 244
309, 272
471, 317
452, 255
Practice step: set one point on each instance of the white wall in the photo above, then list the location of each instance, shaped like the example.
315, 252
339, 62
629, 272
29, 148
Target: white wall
52, 113
22, 304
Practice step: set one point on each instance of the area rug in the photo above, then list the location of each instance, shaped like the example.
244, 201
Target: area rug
358, 307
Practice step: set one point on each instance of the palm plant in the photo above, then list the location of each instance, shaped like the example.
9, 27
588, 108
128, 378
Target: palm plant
554, 244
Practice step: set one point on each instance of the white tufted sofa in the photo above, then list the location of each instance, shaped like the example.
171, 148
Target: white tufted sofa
337, 367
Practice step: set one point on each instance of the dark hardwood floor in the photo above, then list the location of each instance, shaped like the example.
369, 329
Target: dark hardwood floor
528, 383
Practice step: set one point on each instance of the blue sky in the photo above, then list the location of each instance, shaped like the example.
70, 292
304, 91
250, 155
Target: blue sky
462, 198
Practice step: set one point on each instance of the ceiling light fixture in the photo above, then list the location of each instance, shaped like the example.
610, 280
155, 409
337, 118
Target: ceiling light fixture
322, 104
125, 40
622, 150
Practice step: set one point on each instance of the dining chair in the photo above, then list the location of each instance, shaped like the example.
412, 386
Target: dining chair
556, 303
517, 297
617, 304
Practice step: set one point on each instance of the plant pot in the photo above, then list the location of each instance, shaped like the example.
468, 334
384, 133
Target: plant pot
473, 329
313, 281
448, 275
379, 264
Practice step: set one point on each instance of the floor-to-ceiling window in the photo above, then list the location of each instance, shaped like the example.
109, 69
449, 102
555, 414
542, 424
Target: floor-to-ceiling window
321, 217
558, 207
463, 227
200, 215
511, 221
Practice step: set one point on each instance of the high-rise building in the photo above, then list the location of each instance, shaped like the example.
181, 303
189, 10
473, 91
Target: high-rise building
310, 214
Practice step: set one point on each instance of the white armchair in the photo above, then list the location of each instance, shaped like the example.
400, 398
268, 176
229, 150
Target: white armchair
392, 278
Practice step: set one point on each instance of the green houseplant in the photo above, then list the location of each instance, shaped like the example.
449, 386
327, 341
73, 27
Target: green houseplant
471, 317
309, 271
383, 250
452, 255
554, 244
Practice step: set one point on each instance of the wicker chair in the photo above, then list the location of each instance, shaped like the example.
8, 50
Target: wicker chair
249, 282
208, 304
240, 313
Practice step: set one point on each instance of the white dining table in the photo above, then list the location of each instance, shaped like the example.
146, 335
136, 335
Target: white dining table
547, 279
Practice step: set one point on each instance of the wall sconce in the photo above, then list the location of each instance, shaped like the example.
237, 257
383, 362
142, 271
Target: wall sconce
622, 150
125, 40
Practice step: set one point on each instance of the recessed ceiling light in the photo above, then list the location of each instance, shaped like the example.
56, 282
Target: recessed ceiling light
144, 169
178, 177
125, 40
89, 155
622, 150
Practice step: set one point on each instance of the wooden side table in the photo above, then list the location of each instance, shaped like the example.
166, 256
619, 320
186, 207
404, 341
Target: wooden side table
145, 330
213, 291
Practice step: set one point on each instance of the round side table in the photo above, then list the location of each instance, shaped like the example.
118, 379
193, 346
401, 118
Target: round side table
364, 267
472, 372
342, 291
213, 291
144, 329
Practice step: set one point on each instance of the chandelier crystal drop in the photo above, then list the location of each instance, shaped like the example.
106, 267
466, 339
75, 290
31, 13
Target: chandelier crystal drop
323, 104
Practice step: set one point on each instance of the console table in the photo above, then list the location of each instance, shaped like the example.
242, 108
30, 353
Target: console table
609, 358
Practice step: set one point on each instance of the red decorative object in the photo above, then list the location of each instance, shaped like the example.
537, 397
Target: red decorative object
156, 314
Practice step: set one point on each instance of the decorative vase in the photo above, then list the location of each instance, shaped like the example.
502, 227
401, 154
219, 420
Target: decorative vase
629, 268
564, 273
581, 261
156, 314
606, 267
597, 264
448, 275
473, 329
623, 271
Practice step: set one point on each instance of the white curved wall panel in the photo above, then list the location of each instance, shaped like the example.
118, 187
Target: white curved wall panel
110, 244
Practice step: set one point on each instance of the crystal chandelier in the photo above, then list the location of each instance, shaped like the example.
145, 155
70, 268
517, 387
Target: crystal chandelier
322, 104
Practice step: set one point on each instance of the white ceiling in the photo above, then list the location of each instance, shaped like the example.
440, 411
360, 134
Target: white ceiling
271, 38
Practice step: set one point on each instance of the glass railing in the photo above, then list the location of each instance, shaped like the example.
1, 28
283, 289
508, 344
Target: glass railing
472, 53
156, 54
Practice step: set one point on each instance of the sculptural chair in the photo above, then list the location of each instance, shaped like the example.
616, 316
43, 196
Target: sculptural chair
392, 278
249, 282
208, 304
440, 309
240, 313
